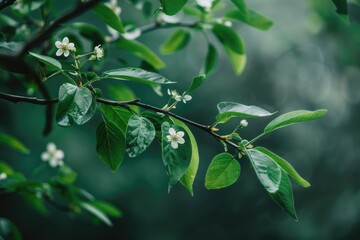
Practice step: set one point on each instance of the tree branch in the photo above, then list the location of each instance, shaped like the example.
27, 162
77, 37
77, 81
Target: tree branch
42, 35
158, 25
6, 3
124, 104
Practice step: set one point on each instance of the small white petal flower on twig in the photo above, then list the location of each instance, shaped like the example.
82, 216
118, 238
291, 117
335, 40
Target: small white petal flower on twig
175, 138
173, 93
98, 53
53, 155
64, 47
244, 123
185, 98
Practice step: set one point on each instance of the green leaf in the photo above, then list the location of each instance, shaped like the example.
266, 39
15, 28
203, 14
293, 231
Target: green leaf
268, 172
76, 104
140, 134
36, 201
88, 206
7, 21
251, 18
171, 7
137, 75
240, 4
294, 117
117, 115
224, 170
177, 41
6, 168
196, 82
109, 17
142, 51
228, 110
107, 208
66, 175
157, 120
12, 46
233, 45
284, 196
121, 92
110, 145
188, 179
13, 143
8, 230
211, 60
341, 7
176, 161
286, 166
49, 61
147, 9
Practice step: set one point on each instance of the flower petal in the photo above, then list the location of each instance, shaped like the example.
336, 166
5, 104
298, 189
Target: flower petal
58, 44
51, 147
53, 162
180, 134
172, 131
177, 98
59, 154
65, 41
187, 97
59, 52
168, 137
181, 141
174, 145
45, 156
71, 46
66, 53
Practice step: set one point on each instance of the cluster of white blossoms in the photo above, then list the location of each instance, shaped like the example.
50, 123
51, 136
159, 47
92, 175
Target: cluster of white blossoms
53, 155
175, 138
64, 47
244, 123
175, 95
98, 53
206, 4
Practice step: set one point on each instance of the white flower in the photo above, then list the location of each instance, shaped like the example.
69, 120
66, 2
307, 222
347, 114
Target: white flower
185, 98
64, 47
98, 53
3, 176
175, 138
206, 4
113, 5
53, 155
173, 93
244, 123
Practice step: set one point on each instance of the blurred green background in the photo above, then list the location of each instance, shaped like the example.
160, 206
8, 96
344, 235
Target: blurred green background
308, 60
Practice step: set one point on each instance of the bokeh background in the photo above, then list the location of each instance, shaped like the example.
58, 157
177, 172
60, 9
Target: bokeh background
309, 59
